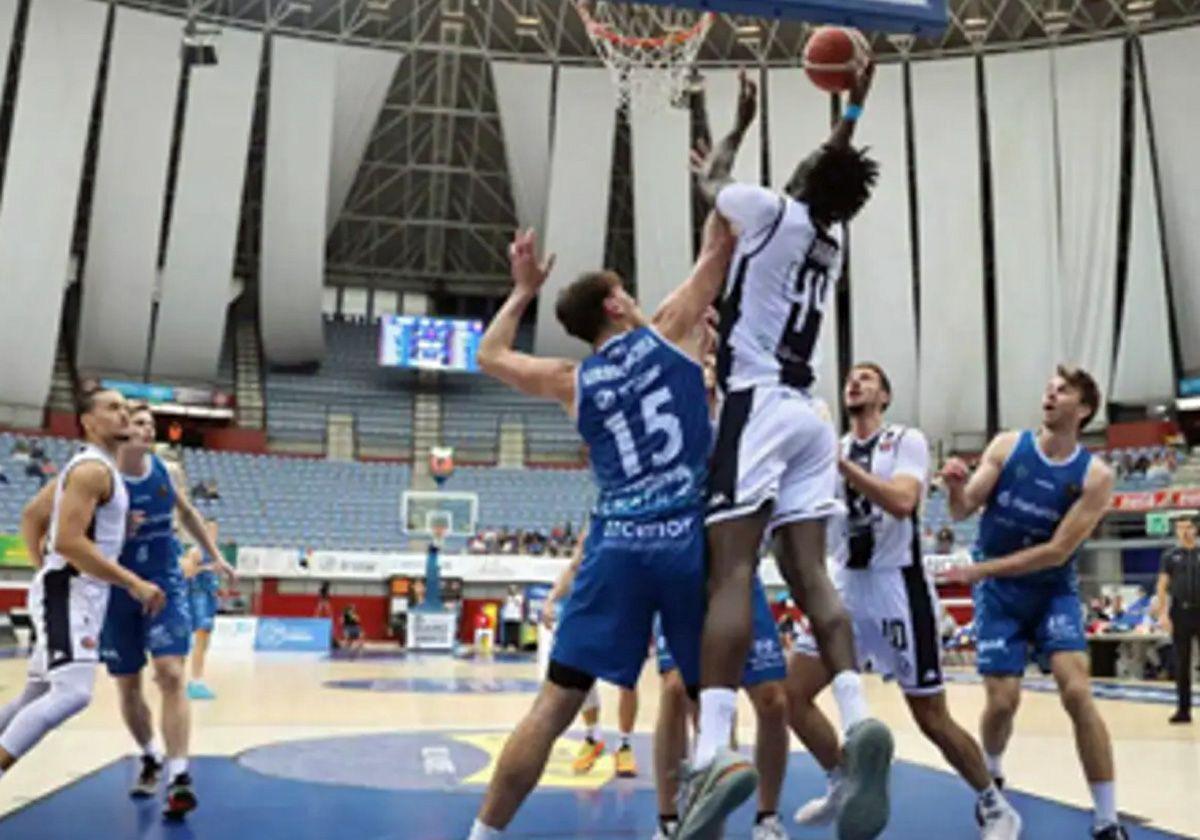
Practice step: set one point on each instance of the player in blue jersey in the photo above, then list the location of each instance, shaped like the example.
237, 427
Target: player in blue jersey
1042, 494
639, 403
153, 551
204, 583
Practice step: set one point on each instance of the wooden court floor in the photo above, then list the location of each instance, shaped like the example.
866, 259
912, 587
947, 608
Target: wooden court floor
269, 700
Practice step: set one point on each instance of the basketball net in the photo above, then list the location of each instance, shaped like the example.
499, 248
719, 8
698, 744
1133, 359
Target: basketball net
649, 50
438, 530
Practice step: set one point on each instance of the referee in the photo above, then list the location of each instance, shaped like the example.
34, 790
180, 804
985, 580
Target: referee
1179, 587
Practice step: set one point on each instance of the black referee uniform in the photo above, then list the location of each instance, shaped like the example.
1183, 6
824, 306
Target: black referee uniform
1181, 566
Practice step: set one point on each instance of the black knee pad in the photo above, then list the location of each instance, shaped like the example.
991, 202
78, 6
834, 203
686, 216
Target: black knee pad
564, 676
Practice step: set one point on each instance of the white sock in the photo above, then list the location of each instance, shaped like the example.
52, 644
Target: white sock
175, 766
625, 739
1104, 797
151, 750
590, 733
993, 765
990, 796
717, 706
479, 831
852, 705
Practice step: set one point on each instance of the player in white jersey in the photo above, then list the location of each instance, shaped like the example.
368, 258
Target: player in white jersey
876, 566
774, 466
69, 594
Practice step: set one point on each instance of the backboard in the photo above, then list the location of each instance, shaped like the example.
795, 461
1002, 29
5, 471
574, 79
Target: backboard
913, 16
424, 512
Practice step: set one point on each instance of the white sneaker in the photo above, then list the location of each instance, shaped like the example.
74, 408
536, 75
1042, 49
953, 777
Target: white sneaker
770, 828
823, 810
1000, 821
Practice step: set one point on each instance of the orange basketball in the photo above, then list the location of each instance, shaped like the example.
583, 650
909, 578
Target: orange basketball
833, 57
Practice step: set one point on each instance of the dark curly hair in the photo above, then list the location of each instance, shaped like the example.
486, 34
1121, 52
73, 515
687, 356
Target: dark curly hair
835, 183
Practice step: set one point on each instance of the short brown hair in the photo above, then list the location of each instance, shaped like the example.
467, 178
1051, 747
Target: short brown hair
1089, 391
85, 400
580, 306
875, 368
139, 406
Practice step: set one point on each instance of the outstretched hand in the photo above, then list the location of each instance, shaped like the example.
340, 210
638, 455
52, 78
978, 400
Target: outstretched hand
862, 83
747, 105
528, 274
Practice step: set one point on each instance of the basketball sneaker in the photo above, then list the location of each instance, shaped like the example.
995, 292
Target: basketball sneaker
710, 794
626, 763
589, 752
823, 810
180, 797
769, 828
868, 759
197, 690
148, 778
1000, 819
1110, 832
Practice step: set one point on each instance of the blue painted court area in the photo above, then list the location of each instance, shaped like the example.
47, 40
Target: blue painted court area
439, 685
428, 785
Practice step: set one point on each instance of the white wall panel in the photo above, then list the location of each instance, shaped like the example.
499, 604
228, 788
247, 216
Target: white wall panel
204, 217
577, 209
363, 78
721, 92
662, 197
63, 41
1025, 207
1173, 73
295, 196
883, 318
1143, 371
951, 355
121, 265
523, 100
1088, 98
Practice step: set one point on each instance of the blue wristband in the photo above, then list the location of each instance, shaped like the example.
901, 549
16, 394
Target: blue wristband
852, 113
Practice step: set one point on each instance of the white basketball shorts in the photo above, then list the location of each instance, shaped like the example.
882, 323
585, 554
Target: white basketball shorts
775, 445
895, 625
67, 610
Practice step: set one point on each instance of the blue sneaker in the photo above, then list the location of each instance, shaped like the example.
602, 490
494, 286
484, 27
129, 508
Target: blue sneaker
199, 691
711, 794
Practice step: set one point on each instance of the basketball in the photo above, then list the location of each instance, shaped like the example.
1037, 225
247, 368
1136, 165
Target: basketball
833, 57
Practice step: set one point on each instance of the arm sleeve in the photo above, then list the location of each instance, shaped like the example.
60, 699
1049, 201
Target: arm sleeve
912, 456
747, 207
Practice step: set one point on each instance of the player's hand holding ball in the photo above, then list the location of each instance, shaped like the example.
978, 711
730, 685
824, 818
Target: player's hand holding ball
528, 274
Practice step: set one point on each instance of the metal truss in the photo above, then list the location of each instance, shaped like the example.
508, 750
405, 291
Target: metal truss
432, 206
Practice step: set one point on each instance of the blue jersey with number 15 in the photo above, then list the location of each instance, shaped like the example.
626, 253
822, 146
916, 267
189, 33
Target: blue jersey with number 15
643, 412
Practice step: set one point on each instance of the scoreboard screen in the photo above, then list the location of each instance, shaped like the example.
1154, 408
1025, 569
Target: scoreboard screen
425, 343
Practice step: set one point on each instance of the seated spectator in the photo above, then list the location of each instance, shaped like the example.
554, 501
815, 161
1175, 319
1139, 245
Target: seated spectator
1159, 471
20, 450
477, 545
945, 540
36, 452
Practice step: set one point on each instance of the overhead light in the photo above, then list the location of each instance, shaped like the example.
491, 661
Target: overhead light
302, 7
198, 47
528, 25
1139, 11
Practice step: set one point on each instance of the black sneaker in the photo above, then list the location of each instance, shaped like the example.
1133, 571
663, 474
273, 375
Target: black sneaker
1110, 832
147, 780
1181, 717
180, 797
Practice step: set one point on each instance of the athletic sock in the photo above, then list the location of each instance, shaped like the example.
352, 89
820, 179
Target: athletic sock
1104, 797
762, 815
590, 734
176, 767
150, 750
625, 740
993, 764
852, 705
717, 706
479, 831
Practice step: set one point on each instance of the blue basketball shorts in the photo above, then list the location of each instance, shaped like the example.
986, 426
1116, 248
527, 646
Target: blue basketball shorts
765, 661
203, 604
632, 570
1016, 619
129, 633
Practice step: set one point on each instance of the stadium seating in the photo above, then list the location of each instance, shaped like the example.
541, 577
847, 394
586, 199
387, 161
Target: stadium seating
348, 381
537, 499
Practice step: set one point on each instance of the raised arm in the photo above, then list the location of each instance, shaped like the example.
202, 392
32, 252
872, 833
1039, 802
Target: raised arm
901, 494
1079, 523
191, 521
547, 378
714, 170
35, 523
680, 318
86, 487
844, 130
969, 492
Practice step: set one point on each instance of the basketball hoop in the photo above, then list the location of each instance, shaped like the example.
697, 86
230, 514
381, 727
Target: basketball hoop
649, 50
438, 532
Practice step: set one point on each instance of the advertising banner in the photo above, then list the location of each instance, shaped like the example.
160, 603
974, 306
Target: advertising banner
13, 553
234, 634
293, 635
432, 630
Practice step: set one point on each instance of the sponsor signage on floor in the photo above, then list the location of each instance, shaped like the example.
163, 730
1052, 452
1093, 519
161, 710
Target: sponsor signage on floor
293, 635
234, 634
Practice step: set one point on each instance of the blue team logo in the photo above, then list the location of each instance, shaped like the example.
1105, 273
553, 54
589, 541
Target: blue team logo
604, 399
1004, 498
